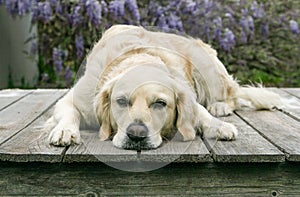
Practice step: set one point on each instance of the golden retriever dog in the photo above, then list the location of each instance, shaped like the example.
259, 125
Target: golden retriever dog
140, 87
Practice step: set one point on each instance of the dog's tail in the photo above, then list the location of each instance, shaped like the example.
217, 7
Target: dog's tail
258, 98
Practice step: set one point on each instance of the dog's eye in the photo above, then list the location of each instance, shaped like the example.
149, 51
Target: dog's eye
122, 102
159, 104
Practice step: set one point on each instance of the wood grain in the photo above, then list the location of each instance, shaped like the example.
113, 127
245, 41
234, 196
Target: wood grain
93, 150
249, 146
280, 129
293, 91
31, 144
291, 102
96, 179
177, 150
10, 96
21, 114
264, 136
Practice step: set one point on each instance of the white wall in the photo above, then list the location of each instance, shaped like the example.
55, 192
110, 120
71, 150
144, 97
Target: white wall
13, 34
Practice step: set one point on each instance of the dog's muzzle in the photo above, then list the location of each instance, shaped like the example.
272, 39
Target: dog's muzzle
138, 137
137, 132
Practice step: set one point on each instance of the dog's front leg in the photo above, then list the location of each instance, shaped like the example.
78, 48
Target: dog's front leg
213, 127
65, 122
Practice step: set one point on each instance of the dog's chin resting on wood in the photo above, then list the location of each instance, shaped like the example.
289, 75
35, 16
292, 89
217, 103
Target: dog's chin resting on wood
141, 87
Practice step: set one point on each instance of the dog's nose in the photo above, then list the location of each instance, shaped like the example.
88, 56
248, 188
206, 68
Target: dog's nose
137, 131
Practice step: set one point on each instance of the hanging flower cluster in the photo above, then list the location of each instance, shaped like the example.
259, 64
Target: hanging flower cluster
67, 29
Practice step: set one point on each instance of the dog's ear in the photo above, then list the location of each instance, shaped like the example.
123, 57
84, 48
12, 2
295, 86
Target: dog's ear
186, 107
102, 110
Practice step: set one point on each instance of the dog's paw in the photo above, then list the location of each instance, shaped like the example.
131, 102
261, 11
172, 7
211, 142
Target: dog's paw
227, 131
64, 136
218, 109
221, 131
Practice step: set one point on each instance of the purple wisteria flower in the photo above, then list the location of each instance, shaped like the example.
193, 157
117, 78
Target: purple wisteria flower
17, 7
54, 3
133, 9
174, 5
67, 27
57, 58
190, 7
208, 5
244, 38
42, 11
104, 7
24, 7
12, 7
229, 15
76, 16
227, 42
162, 23
247, 23
206, 31
94, 11
294, 27
174, 22
155, 9
258, 10
79, 43
57, 6
245, 12
218, 28
68, 75
170, 22
117, 8
218, 22
265, 29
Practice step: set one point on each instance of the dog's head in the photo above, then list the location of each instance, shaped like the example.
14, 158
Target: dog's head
144, 105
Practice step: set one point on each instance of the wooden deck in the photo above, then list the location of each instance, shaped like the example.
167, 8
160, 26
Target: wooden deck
264, 136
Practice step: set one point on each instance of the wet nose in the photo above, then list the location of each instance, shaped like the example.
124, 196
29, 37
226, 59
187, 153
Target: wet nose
137, 131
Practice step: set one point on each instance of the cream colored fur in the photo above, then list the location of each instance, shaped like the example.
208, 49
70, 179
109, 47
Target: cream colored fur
199, 84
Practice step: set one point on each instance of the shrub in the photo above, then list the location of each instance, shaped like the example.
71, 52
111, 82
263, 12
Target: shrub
256, 40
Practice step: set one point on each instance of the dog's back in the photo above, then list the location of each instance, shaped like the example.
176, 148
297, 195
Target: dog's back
181, 53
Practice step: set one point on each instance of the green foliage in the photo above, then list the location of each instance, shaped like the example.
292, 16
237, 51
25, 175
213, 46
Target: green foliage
257, 40
273, 60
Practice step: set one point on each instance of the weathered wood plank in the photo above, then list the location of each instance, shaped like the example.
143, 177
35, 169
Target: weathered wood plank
22, 140
178, 151
280, 129
248, 147
93, 150
291, 102
31, 144
9, 96
293, 91
21, 114
95, 179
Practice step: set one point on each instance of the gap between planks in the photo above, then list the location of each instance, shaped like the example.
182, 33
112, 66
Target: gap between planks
278, 128
291, 102
293, 91
94, 150
65, 151
24, 144
11, 96
249, 146
22, 114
